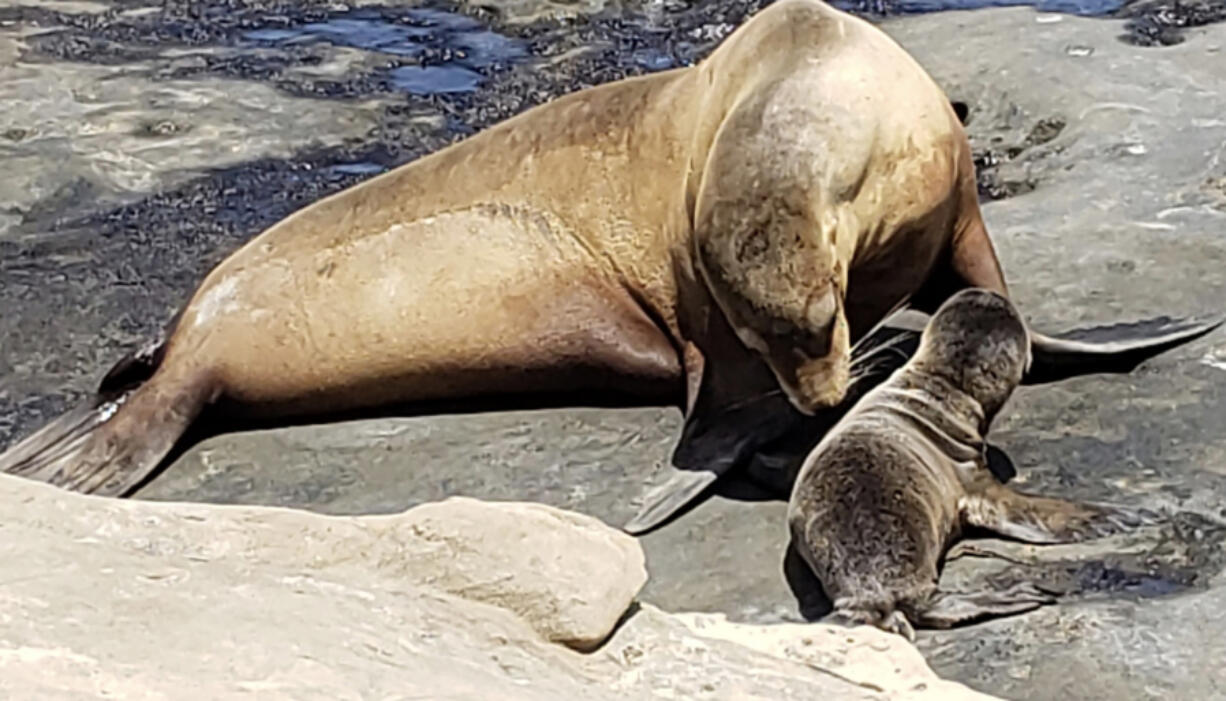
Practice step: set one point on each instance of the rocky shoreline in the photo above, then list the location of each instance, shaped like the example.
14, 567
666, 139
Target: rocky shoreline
138, 156
456, 599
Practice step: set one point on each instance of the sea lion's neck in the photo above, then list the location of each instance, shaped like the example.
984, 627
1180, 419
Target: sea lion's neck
941, 410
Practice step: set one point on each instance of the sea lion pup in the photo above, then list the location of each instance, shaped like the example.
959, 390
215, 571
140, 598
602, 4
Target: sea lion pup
889, 488
701, 236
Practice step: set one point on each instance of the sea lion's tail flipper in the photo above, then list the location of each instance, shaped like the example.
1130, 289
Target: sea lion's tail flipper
1117, 348
112, 442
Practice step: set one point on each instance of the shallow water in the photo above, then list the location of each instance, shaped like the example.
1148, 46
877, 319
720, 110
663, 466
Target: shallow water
450, 49
1089, 8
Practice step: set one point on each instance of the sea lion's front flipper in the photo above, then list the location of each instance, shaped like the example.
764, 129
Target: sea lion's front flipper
668, 499
712, 444
949, 609
762, 430
734, 406
1047, 520
1116, 348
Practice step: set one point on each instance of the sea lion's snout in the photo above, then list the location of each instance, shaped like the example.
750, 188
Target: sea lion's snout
823, 374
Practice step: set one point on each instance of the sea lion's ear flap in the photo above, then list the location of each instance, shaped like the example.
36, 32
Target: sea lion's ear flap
961, 110
999, 463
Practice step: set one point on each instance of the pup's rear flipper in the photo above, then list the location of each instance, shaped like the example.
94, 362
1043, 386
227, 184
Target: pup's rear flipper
1117, 348
1046, 520
114, 441
949, 609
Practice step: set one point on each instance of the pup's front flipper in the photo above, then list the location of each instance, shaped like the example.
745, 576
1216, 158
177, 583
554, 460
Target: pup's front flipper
1047, 520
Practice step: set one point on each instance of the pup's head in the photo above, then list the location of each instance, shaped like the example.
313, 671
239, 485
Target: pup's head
978, 341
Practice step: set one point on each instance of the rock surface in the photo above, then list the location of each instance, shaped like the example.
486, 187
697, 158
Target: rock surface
568, 575
75, 136
136, 600
1127, 219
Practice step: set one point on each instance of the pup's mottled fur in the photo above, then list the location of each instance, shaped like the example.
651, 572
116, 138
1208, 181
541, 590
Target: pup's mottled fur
893, 484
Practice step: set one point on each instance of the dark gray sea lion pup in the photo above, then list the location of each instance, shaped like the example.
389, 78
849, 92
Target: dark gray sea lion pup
706, 236
889, 488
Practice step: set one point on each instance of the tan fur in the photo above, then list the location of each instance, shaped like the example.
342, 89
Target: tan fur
807, 143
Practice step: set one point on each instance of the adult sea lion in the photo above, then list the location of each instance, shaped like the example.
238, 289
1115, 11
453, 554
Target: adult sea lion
889, 488
703, 236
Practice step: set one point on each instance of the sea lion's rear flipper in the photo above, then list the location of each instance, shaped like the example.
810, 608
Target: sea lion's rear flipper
1116, 348
949, 609
115, 440
1046, 520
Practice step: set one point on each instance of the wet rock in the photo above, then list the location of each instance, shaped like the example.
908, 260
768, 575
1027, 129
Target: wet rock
1165, 22
527, 11
1150, 22
77, 136
131, 599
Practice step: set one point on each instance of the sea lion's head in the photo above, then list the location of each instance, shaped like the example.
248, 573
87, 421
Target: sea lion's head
978, 341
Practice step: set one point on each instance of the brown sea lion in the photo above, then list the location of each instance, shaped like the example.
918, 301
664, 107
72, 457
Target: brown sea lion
702, 236
889, 488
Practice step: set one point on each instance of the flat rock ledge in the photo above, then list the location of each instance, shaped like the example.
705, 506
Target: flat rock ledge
462, 598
